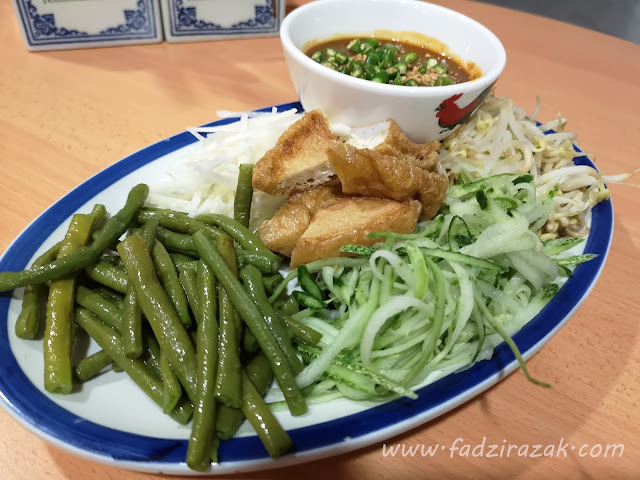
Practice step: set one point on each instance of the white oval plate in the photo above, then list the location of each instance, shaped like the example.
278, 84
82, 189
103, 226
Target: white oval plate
110, 420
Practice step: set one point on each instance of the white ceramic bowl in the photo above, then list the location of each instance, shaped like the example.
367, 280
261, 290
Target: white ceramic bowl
424, 113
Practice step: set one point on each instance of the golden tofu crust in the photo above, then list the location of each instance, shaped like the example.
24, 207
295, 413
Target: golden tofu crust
397, 144
299, 159
370, 173
338, 194
281, 232
284, 229
349, 220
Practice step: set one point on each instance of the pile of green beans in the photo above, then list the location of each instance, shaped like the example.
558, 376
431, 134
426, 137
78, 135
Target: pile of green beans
368, 59
181, 307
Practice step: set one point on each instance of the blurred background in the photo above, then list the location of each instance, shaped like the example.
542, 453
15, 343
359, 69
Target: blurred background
620, 18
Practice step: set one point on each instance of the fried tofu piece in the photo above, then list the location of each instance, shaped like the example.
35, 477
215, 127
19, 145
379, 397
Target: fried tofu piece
388, 139
349, 220
299, 159
317, 197
282, 232
397, 144
432, 195
370, 173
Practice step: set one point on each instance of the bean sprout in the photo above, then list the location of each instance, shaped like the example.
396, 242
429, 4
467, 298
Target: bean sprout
500, 138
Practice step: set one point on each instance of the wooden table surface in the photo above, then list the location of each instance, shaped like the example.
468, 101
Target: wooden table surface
66, 115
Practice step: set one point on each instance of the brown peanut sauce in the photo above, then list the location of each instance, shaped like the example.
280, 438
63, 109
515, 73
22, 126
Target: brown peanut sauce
418, 72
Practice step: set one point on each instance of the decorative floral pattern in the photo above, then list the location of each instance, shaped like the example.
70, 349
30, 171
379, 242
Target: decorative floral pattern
136, 21
187, 19
264, 17
43, 27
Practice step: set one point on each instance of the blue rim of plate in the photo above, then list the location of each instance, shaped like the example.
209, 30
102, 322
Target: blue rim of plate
44, 417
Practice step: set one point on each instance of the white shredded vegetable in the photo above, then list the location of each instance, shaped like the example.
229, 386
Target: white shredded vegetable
204, 180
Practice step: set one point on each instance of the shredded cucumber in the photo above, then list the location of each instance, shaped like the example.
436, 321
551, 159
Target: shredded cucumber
358, 249
418, 306
559, 245
576, 259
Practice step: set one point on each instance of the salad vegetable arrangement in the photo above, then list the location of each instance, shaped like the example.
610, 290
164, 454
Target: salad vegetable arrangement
193, 308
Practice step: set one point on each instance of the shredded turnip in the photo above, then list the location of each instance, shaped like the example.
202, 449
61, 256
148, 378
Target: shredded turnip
204, 179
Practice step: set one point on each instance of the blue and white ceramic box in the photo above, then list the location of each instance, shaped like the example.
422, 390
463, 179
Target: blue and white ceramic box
65, 24
202, 20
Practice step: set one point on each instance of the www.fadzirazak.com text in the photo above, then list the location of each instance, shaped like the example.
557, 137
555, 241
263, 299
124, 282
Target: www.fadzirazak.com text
504, 449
